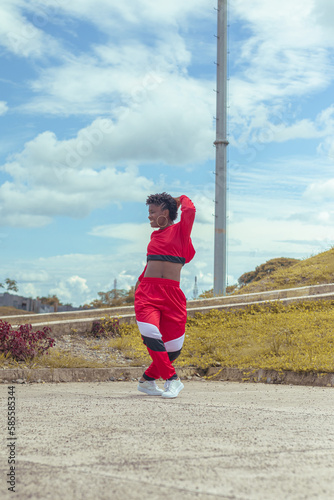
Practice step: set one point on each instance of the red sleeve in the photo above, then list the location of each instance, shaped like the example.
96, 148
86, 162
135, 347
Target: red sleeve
188, 211
142, 274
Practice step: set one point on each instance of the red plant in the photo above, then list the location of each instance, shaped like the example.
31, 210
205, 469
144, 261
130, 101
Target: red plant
97, 329
108, 327
23, 344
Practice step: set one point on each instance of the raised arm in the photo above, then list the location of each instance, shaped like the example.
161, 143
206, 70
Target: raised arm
188, 211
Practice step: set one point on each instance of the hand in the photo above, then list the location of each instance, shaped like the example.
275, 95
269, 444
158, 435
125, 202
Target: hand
178, 202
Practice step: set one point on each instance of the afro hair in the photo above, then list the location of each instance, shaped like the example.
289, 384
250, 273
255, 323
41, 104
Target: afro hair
166, 201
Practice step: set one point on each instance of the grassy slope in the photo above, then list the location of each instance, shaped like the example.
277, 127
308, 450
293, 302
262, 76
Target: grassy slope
12, 311
312, 271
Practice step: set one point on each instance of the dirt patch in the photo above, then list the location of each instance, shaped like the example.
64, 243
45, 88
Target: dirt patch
94, 350
91, 348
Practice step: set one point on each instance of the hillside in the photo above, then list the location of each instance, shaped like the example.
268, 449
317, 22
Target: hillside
12, 311
315, 270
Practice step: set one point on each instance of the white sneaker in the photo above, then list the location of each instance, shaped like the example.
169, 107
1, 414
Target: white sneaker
173, 388
166, 384
150, 388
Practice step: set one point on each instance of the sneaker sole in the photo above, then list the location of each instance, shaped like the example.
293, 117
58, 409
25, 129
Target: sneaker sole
141, 389
172, 395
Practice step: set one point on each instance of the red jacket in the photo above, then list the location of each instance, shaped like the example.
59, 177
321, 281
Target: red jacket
174, 243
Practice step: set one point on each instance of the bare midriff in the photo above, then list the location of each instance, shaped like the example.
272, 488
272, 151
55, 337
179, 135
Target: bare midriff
163, 269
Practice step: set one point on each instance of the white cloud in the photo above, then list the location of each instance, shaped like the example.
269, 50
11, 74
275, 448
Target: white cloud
111, 75
300, 21
323, 126
278, 238
32, 207
281, 128
111, 13
126, 231
51, 177
326, 147
321, 191
3, 108
41, 276
73, 177
77, 278
23, 37
172, 123
288, 54
204, 203
28, 290
73, 288
202, 236
323, 12
302, 129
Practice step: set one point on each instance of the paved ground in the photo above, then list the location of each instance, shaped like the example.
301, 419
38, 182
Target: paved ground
223, 440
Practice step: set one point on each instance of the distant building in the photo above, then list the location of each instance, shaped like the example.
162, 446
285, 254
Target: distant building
32, 305
23, 303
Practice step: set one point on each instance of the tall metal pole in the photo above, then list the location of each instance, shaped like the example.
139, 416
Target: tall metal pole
221, 144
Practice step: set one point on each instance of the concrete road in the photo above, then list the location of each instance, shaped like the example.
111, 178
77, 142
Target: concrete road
106, 441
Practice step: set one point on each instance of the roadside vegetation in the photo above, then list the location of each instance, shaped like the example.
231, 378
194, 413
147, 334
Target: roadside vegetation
297, 337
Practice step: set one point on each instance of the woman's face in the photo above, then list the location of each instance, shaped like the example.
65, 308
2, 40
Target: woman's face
155, 212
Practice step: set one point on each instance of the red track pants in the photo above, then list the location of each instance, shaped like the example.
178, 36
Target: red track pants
161, 314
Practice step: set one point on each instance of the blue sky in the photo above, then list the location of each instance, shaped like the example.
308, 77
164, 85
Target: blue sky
105, 102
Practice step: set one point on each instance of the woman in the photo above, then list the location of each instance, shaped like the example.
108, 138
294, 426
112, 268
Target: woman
160, 304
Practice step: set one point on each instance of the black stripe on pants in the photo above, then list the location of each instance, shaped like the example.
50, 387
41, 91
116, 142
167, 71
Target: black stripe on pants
158, 345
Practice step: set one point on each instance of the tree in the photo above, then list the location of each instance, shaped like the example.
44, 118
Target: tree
11, 285
50, 300
114, 298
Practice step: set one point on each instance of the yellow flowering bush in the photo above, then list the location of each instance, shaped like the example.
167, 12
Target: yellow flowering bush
130, 343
